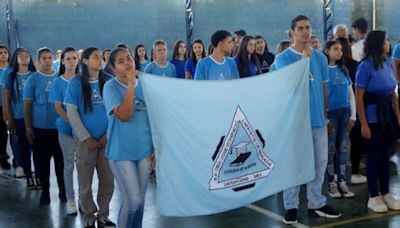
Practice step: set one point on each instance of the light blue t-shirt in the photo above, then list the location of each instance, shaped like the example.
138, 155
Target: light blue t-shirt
37, 88
318, 75
209, 69
4, 72
17, 88
57, 95
130, 140
396, 52
94, 121
166, 71
143, 65
338, 89
377, 81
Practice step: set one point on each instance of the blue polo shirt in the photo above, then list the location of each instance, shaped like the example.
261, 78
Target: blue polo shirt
381, 80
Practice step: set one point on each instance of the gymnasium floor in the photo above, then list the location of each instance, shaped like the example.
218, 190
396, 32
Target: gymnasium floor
20, 208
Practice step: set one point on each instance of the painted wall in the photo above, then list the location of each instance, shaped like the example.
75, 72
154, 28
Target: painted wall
104, 23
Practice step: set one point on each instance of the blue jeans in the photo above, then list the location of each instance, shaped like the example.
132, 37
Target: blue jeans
338, 144
22, 148
132, 178
68, 148
314, 195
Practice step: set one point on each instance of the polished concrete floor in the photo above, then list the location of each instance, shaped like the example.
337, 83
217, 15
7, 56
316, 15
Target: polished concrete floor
20, 208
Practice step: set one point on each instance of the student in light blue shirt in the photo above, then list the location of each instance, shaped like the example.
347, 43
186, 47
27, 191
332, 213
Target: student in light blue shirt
129, 139
179, 58
342, 118
196, 53
22, 69
160, 66
40, 122
301, 32
4, 61
217, 66
88, 119
68, 70
141, 59
246, 60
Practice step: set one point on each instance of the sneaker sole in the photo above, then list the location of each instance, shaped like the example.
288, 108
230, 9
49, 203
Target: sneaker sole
346, 196
335, 196
322, 214
289, 222
378, 211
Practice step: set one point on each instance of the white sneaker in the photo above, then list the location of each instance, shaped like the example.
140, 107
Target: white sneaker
333, 190
391, 202
345, 190
376, 204
19, 172
71, 207
358, 179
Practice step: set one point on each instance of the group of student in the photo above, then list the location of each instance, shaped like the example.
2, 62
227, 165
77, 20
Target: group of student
79, 110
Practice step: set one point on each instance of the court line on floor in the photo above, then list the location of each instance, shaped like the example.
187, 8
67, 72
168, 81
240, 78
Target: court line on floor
272, 215
358, 219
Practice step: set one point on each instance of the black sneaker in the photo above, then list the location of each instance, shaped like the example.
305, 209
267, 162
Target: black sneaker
30, 184
327, 212
103, 223
45, 198
4, 164
62, 196
290, 216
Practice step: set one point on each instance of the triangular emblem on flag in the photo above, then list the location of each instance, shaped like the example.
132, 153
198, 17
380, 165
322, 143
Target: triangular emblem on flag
240, 159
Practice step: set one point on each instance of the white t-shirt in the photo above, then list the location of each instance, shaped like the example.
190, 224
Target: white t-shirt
358, 50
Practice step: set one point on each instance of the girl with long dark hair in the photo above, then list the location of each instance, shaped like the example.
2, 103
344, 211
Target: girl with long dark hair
342, 117
197, 52
141, 60
88, 118
246, 60
378, 111
14, 84
357, 141
179, 58
68, 70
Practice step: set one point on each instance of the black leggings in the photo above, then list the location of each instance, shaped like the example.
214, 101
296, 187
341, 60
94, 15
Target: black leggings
46, 146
